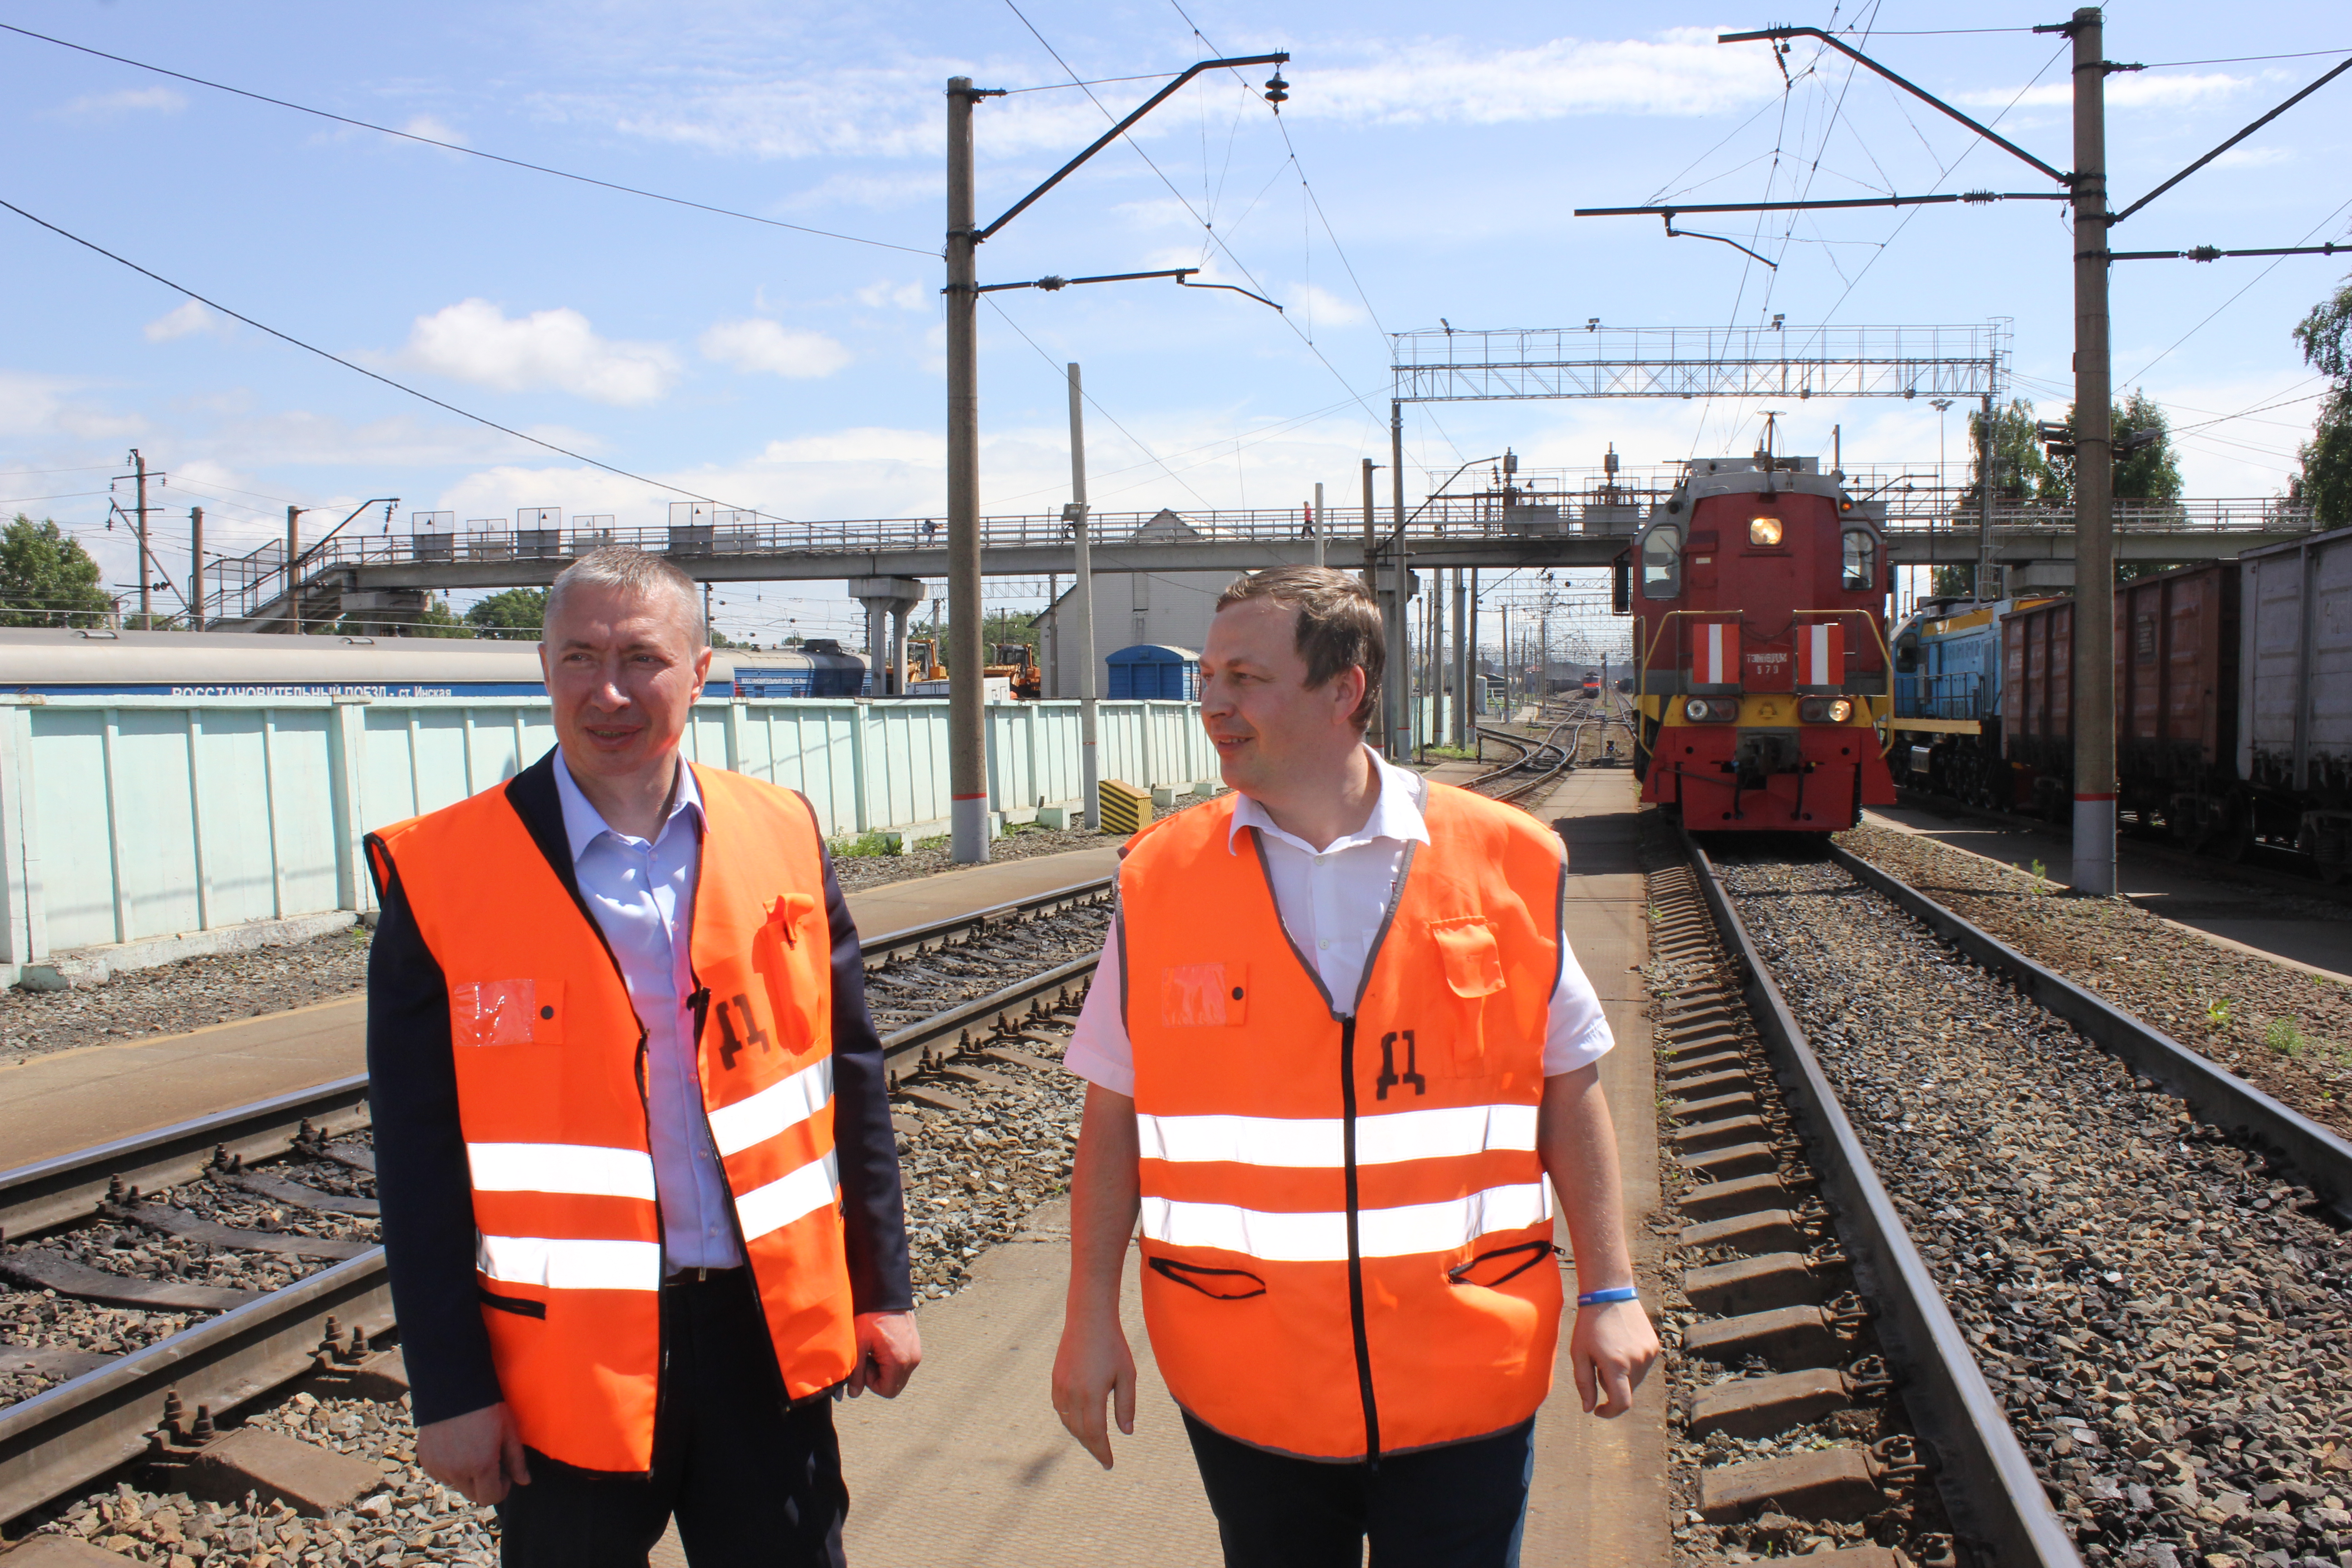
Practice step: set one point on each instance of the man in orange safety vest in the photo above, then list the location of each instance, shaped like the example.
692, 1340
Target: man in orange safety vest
1339, 1058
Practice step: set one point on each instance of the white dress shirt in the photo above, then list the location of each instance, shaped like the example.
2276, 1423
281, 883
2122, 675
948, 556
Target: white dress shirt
642, 894
1331, 901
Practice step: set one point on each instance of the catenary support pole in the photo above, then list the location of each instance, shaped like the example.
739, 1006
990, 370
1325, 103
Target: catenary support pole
1982, 589
966, 687
2094, 570
195, 569
292, 623
1371, 582
1462, 636
1318, 523
1089, 673
146, 573
1399, 680
1433, 618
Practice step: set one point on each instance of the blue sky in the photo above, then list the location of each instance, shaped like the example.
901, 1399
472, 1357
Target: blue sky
802, 375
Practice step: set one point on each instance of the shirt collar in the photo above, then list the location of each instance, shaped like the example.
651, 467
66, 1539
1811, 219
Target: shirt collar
584, 824
1396, 812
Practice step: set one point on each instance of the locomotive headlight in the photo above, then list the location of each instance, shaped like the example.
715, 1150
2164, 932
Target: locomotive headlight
1696, 709
1699, 711
1764, 531
1841, 710
1825, 710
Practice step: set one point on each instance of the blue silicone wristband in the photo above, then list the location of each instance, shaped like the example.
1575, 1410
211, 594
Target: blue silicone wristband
1619, 1293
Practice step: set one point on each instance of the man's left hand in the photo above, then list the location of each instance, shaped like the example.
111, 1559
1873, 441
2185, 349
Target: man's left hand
1610, 1352
888, 1351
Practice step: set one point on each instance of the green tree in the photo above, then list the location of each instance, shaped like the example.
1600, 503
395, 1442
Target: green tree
515, 614
46, 578
2019, 472
2325, 338
2150, 473
437, 620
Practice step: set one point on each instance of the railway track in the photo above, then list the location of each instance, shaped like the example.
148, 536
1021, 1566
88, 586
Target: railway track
198, 1269
2105, 1277
2257, 865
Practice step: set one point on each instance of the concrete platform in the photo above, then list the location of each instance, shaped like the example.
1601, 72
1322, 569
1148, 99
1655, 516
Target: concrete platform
970, 1467
2242, 915
69, 1100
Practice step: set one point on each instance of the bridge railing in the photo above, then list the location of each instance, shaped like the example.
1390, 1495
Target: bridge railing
1616, 506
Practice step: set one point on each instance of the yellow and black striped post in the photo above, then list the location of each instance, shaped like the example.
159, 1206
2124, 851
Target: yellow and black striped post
1123, 808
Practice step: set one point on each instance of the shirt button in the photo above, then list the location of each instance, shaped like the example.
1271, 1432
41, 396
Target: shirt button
1322, 946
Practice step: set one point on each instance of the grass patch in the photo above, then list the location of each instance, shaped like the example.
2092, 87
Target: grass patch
862, 847
1452, 753
2218, 1015
2284, 1037
937, 841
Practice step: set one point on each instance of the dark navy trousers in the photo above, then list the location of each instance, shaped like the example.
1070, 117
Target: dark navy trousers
1462, 1506
754, 1481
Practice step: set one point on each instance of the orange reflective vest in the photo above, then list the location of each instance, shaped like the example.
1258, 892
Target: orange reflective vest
551, 1090
1347, 1232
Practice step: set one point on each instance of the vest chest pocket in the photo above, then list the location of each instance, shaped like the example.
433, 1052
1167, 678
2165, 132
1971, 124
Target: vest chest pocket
1205, 996
1471, 962
1472, 957
507, 1013
793, 955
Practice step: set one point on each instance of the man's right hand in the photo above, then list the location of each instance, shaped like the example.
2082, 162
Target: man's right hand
479, 1453
1094, 1364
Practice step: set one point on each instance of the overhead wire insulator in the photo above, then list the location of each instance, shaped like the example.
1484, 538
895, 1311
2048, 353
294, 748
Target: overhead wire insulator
1277, 91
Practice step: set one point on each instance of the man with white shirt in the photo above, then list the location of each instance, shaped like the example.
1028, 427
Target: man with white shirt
641, 1199
1340, 1056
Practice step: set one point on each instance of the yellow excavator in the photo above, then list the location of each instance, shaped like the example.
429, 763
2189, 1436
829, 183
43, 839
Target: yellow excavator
1017, 662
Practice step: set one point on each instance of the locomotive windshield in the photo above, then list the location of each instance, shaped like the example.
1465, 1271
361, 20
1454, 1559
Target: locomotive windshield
1662, 562
1861, 559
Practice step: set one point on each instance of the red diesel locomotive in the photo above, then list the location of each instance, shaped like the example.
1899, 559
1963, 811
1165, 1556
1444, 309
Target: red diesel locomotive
1759, 590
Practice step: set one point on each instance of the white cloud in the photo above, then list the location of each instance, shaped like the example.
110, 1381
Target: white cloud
905, 296
130, 101
755, 344
2123, 92
476, 342
433, 129
1683, 71
1307, 302
190, 317
2254, 157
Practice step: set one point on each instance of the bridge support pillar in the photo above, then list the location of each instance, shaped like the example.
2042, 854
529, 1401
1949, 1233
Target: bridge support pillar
887, 599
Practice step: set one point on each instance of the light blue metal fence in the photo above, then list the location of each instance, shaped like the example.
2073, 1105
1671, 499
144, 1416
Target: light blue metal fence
124, 819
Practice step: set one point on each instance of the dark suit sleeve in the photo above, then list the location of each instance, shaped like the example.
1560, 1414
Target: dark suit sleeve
422, 1180
873, 1208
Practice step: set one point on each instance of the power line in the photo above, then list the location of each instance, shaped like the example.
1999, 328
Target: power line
362, 369
2233, 299
460, 147
1185, 201
2244, 59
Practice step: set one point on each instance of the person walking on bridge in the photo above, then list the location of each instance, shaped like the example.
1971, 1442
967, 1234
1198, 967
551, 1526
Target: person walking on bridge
641, 1194
1338, 1045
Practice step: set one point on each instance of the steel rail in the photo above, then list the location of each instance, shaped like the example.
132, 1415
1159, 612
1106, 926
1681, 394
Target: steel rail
2322, 1158
998, 1010
1989, 1488
54, 1192
75, 1432
890, 945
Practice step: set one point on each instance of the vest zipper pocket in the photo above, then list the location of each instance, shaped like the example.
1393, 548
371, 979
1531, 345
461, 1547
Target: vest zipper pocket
520, 1306
1217, 1284
1537, 1251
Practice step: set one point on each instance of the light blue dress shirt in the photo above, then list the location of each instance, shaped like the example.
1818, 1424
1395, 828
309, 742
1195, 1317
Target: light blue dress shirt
642, 895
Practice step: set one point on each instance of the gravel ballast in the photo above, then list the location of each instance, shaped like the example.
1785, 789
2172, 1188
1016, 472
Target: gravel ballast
2161, 1316
2287, 1032
191, 994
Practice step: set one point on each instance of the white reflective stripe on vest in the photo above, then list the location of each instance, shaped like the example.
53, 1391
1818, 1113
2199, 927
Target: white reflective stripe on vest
571, 1264
589, 1170
786, 1103
1311, 1142
789, 1197
1322, 1236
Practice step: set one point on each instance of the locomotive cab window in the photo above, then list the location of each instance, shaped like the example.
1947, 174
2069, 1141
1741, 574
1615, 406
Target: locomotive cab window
1861, 561
1662, 562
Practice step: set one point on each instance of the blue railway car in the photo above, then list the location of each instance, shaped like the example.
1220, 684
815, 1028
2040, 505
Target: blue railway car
1948, 699
819, 670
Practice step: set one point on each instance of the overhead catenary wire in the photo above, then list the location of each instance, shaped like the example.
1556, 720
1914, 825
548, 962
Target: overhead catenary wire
362, 370
461, 147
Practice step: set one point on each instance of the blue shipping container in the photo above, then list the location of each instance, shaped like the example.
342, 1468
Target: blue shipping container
1155, 672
